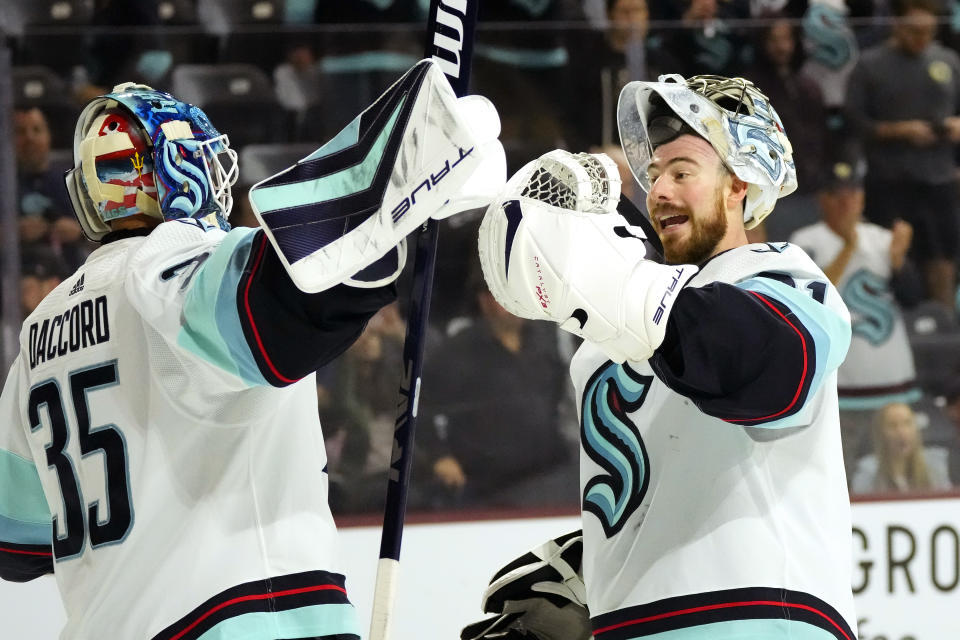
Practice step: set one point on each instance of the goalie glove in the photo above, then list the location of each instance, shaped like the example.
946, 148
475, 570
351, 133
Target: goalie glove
552, 247
341, 214
539, 596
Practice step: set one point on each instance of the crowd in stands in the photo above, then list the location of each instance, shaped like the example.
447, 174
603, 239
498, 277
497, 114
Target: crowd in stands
868, 91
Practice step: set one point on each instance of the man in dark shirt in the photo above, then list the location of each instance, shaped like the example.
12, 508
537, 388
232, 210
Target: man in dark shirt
493, 431
46, 216
904, 97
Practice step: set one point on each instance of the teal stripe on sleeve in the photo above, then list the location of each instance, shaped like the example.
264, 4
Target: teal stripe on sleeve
831, 332
747, 630
24, 514
336, 185
305, 622
211, 323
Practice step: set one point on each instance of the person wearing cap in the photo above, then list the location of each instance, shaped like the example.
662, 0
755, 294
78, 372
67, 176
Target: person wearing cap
903, 99
868, 264
713, 495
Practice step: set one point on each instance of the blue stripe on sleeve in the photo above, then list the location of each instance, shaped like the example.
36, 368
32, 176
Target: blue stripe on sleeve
24, 514
830, 333
211, 323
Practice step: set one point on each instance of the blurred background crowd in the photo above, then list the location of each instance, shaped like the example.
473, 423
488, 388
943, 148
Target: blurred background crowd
869, 93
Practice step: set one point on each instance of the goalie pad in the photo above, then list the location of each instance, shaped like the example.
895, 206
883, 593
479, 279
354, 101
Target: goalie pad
415, 153
539, 596
582, 266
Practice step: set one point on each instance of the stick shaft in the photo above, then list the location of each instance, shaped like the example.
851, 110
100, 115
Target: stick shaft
450, 33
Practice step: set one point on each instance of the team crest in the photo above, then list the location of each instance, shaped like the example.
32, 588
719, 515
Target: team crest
612, 440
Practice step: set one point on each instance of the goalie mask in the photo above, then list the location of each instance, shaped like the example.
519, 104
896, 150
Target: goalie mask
141, 151
730, 113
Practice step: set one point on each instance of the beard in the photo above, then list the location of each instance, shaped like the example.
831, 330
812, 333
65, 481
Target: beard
706, 232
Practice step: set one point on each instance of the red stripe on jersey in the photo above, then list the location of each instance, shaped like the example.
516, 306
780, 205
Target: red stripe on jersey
259, 596
253, 324
803, 374
27, 553
725, 605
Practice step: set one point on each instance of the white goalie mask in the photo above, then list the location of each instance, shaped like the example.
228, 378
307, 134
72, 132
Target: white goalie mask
730, 113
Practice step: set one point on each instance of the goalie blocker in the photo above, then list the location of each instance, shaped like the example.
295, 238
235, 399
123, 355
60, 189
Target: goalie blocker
538, 596
341, 214
554, 248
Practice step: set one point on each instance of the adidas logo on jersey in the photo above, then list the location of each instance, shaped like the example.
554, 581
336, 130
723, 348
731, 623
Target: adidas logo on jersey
78, 286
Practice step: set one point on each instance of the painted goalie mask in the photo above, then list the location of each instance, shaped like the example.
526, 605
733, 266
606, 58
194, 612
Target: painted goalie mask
141, 151
730, 113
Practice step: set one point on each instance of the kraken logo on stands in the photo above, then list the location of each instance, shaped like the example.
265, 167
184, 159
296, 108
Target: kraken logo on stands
611, 439
869, 299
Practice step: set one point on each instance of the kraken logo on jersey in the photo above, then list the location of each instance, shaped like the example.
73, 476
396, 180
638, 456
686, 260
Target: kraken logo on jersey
868, 297
612, 440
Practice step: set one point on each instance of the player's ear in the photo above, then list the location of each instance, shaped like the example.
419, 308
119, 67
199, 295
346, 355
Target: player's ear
738, 191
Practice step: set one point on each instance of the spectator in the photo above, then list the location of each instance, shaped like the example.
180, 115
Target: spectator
866, 263
952, 410
618, 53
358, 406
899, 462
41, 270
295, 79
45, 212
903, 98
526, 62
800, 106
497, 390
704, 44
832, 52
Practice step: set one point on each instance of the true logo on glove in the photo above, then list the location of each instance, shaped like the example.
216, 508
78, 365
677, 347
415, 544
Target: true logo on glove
658, 314
401, 209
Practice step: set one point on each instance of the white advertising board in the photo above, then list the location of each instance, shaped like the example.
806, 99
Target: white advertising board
906, 573
906, 569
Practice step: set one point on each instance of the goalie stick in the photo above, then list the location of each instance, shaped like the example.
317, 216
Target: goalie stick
450, 43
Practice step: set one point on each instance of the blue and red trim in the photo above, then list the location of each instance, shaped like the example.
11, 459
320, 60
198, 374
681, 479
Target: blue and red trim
250, 324
280, 593
804, 373
23, 562
703, 609
290, 333
743, 356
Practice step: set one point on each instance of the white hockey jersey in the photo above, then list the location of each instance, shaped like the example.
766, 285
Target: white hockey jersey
186, 498
879, 368
721, 511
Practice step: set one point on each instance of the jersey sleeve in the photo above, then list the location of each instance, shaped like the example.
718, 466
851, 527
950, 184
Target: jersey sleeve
230, 303
25, 526
757, 352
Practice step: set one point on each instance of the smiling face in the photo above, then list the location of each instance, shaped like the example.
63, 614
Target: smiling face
695, 203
